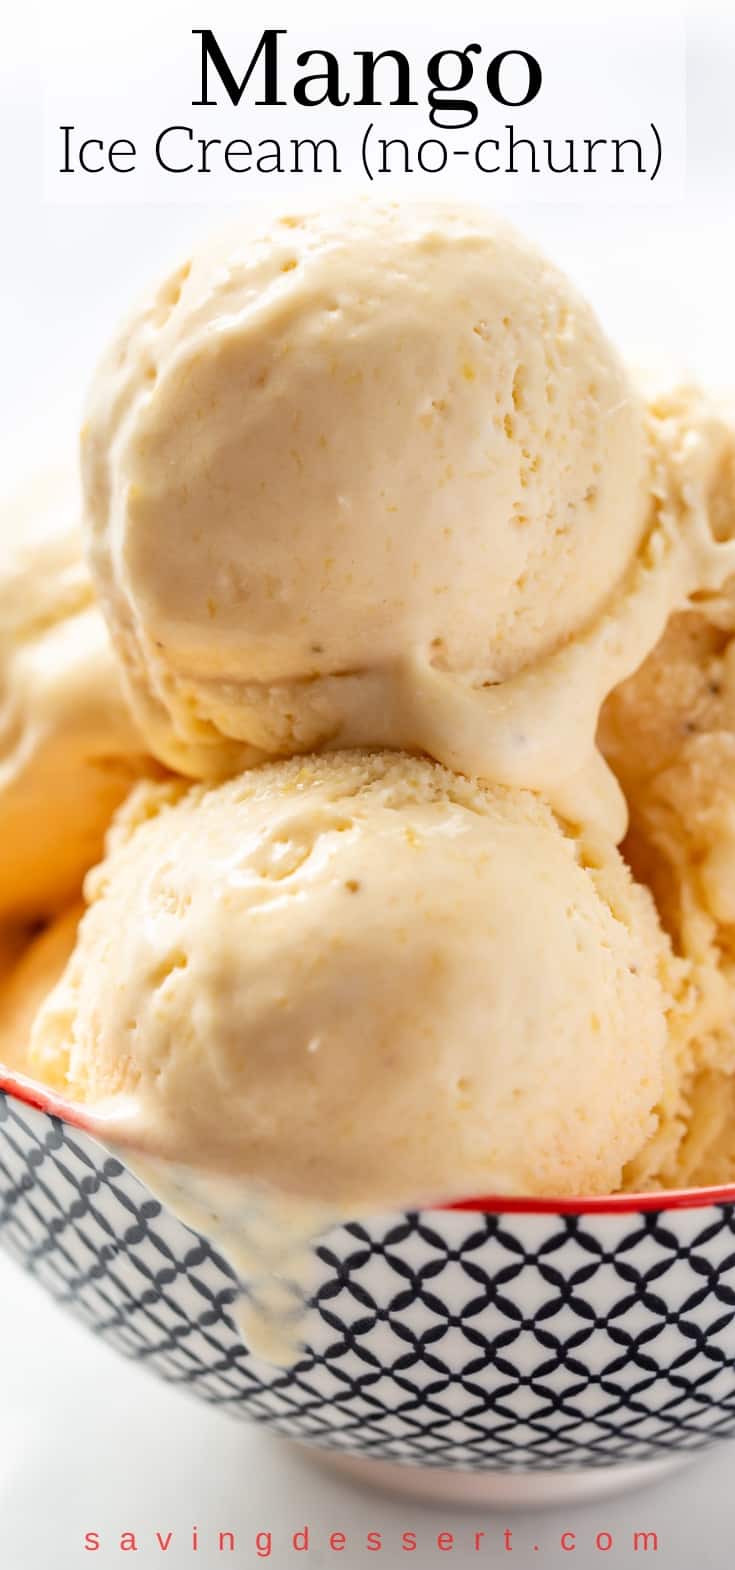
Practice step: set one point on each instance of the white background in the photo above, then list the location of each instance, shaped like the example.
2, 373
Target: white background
87, 1442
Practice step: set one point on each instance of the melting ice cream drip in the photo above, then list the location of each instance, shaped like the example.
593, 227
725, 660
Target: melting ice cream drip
267, 1240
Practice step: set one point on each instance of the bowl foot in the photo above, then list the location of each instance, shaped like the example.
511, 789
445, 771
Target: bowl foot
497, 1490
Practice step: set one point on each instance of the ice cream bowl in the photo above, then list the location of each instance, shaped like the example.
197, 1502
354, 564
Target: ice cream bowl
500, 1351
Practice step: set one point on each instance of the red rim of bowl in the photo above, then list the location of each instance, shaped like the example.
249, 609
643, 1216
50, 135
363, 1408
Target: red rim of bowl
32, 1094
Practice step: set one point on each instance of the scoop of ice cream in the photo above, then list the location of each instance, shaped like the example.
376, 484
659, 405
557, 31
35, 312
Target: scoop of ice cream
33, 971
669, 733
363, 981
374, 476
69, 748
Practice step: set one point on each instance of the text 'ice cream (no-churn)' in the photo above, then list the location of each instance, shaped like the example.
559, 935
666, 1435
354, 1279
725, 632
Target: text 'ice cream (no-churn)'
375, 477
369, 945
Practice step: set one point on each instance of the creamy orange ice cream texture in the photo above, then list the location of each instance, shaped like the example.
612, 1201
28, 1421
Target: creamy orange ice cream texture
30, 966
359, 981
375, 477
69, 748
669, 733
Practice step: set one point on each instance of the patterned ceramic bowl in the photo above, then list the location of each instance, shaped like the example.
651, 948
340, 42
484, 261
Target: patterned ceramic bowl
504, 1351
